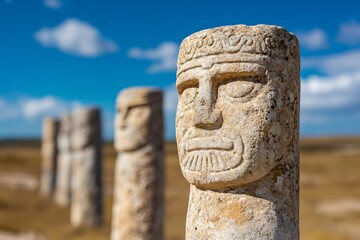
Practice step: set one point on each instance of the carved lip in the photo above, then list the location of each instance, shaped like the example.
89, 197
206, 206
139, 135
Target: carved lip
206, 143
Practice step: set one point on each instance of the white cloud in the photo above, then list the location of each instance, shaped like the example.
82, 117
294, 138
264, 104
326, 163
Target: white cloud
76, 37
314, 39
54, 4
164, 57
340, 92
334, 64
34, 108
46, 106
8, 110
349, 33
21, 116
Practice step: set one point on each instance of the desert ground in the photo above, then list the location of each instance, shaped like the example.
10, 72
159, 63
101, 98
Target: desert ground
329, 199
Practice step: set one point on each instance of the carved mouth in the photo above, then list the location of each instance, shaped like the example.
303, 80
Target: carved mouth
130, 134
126, 134
127, 138
209, 162
207, 143
210, 154
211, 151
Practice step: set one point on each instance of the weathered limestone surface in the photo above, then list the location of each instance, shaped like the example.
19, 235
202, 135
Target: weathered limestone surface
86, 194
139, 174
49, 153
237, 130
64, 168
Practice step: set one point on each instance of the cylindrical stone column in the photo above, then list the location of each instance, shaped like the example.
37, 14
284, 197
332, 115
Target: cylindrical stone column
49, 152
237, 130
86, 192
63, 184
139, 175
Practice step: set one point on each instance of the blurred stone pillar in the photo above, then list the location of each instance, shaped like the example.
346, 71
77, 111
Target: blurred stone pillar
139, 175
237, 130
64, 164
86, 194
49, 152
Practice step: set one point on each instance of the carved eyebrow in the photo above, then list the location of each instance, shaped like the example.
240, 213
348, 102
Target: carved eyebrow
135, 105
229, 75
183, 84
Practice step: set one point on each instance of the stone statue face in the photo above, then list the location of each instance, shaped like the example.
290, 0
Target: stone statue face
132, 124
228, 124
86, 127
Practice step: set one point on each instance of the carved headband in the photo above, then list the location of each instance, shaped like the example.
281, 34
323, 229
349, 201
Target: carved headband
238, 43
139, 96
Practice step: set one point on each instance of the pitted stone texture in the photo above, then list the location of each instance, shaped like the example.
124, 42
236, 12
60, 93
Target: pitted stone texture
86, 184
237, 130
64, 167
139, 175
49, 153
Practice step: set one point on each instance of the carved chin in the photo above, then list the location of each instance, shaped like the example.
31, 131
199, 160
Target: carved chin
245, 169
204, 154
212, 161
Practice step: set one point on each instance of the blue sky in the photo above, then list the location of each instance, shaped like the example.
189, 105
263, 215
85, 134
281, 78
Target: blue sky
57, 55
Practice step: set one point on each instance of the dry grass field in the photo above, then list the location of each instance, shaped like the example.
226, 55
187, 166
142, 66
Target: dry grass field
330, 193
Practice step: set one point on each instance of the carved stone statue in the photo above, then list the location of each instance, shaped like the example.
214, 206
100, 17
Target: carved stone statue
139, 174
49, 152
86, 202
237, 130
63, 184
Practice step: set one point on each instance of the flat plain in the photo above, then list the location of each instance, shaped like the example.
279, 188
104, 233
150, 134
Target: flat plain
329, 199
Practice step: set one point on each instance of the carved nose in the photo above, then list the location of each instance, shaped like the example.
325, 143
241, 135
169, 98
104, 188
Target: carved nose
206, 115
122, 118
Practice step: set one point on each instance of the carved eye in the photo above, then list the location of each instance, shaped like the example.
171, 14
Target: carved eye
188, 95
137, 113
239, 89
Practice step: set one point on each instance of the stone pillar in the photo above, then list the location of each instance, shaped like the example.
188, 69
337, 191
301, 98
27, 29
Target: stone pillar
237, 130
86, 194
64, 167
139, 175
49, 152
